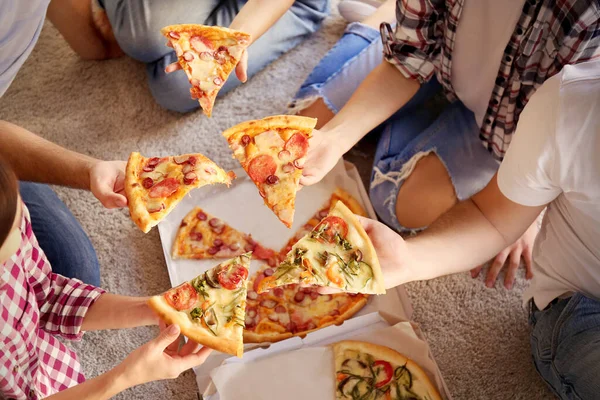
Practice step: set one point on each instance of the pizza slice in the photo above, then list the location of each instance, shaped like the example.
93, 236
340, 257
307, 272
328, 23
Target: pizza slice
272, 151
207, 54
210, 309
336, 253
202, 236
369, 371
154, 186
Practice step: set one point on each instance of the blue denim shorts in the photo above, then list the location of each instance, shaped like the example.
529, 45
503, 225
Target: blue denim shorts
565, 345
423, 126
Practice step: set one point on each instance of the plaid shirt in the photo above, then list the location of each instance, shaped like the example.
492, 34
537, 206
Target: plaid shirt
35, 305
549, 35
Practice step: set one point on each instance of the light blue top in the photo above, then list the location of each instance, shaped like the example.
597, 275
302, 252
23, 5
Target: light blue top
21, 22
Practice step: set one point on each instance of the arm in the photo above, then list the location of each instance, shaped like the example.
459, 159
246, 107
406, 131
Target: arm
36, 159
484, 224
112, 311
257, 16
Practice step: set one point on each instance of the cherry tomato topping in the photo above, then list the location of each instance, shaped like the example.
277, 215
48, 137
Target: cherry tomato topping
386, 374
182, 297
332, 225
232, 276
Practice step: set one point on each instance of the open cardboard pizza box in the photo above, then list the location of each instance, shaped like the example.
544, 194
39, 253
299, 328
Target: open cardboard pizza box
296, 368
242, 208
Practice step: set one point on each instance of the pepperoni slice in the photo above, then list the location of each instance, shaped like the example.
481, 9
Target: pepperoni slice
297, 145
164, 188
231, 276
261, 167
262, 253
333, 225
182, 297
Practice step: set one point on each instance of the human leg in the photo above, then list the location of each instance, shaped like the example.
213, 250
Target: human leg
333, 81
424, 163
565, 346
60, 235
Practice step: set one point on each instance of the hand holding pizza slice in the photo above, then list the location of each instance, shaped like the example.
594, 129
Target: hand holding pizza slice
207, 54
337, 253
154, 186
272, 151
210, 309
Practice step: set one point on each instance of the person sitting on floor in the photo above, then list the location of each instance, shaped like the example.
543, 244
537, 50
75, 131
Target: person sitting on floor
98, 29
38, 305
487, 58
552, 162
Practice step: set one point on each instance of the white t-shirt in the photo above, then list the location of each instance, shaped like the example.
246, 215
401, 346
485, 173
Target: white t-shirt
21, 22
483, 31
555, 158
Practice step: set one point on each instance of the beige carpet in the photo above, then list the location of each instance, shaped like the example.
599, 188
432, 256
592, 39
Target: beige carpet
479, 336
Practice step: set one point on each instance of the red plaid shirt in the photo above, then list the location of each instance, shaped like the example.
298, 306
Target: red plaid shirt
549, 35
35, 305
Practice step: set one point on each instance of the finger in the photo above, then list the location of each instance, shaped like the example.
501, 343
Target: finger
166, 337
476, 271
497, 265
308, 180
194, 359
171, 348
172, 67
242, 67
527, 256
513, 265
189, 348
169, 44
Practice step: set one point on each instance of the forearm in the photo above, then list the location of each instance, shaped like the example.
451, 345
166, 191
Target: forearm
101, 387
36, 159
257, 16
112, 311
458, 241
383, 92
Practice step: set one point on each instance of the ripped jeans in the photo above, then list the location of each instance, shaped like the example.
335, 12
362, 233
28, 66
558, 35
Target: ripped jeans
414, 131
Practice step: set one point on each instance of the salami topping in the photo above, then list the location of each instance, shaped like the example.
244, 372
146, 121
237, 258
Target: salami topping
200, 44
192, 160
180, 159
261, 167
196, 236
314, 295
155, 208
182, 297
288, 168
245, 140
174, 35
263, 253
206, 56
217, 242
268, 272
218, 81
212, 251
201, 216
280, 309
189, 178
188, 56
252, 295
164, 188
278, 292
299, 163
153, 162
148, 169
215, 222
272, 179
297, 145
147, 183
284, 155
187, 168
299, 297
234, 246
268, 303
231, 276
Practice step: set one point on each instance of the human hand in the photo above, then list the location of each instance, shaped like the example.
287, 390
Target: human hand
324, 151
160, 358
392, 252
107, 183
523, 247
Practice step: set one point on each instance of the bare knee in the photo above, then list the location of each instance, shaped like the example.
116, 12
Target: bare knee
318, 110
426, 194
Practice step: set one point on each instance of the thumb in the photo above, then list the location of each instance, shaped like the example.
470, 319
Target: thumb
167, 337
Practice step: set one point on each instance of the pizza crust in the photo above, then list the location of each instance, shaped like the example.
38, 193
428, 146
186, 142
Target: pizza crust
349, 201
367, 249
192, 331
256, 127
390, 355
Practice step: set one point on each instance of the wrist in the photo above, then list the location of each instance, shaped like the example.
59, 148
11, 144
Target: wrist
338, 137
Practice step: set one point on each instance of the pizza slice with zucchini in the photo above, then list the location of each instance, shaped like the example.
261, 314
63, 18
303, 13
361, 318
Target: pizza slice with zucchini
210, 309
369, 371
272, 151
336, 253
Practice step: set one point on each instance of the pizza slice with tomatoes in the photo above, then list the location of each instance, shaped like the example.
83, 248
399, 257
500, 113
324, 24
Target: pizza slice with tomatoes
154, 186
202, 235
207, 54
272, 151
336, 253
369, 371
210, 309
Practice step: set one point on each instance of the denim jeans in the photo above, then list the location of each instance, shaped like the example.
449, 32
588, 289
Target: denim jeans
137, 24
60, 235
420, 127
565, 345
